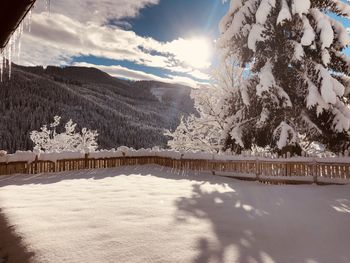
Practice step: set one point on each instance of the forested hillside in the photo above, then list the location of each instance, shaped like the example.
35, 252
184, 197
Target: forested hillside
124, 113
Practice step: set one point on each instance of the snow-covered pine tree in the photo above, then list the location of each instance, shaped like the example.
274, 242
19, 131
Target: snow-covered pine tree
299, 85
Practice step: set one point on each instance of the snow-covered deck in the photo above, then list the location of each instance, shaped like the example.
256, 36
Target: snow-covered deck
154, 214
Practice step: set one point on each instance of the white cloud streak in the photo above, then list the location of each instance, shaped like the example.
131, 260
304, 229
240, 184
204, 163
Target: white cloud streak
97, 11
123, 72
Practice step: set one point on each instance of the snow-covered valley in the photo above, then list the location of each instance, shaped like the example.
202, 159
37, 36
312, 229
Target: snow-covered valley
155, 214
122, 111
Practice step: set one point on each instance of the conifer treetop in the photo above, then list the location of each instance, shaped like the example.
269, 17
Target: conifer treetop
299, 74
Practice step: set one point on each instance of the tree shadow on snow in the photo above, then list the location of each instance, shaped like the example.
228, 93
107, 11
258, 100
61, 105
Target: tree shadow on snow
251, 222
260, 223
232, 241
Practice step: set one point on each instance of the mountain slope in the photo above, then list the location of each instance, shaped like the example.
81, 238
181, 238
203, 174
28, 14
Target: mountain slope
123, 112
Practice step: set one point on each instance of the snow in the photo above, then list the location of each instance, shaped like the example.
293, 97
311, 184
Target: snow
301, 7
341, 120
244, 93
234, 5
236, 134
106, 154
159, 93
331, 88
231, 25
341, 32
65, 155
328, 180
284, 95
284, 134
197, 156
309, 33
169, 154
151, 214
315, 98
319, 39
140, 153
298, 51
48, 140
124, 151
264, 10
326, 57
324, 27
226, 157
284, 13
267, 79
20, 156
206, 130
255, 35
264, 115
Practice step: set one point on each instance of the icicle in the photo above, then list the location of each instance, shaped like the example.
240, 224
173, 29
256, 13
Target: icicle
14, 45
28, 22
1, 66
9, 55
48, 5
20, 33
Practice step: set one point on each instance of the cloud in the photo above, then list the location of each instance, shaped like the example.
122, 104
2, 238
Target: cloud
123, 72
56, 39
73, 29
97, 11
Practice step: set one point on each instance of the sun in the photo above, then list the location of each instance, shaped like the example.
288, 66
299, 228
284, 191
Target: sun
198, 52
194, 52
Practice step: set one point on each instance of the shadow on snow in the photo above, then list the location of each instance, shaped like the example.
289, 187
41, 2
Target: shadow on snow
250, 222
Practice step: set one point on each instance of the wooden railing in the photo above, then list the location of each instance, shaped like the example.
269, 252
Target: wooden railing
264, 170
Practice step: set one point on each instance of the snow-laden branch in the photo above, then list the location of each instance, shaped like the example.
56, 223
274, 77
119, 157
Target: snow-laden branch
48, 140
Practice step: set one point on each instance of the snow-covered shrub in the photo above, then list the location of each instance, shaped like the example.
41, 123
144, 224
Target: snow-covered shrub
49, 140
207, 130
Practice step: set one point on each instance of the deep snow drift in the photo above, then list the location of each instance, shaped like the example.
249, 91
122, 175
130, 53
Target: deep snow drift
153, 214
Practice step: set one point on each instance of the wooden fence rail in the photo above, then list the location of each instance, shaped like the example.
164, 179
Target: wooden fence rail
277, 171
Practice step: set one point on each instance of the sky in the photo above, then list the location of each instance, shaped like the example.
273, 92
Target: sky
164, 40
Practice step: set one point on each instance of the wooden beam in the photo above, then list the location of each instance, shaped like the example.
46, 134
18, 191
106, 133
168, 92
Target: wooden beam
12, 12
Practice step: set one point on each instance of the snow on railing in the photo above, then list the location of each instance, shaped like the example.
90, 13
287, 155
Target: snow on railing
246, 166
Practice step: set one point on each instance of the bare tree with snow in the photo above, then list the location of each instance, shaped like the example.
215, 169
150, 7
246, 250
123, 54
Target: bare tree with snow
48, 139
207, 130
299, 86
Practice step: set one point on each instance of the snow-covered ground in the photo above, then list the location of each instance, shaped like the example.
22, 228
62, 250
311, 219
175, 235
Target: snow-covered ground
153, 214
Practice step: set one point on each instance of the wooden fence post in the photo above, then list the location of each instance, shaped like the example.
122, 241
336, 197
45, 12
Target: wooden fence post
257, 169
123, 160
314, 170
181, 162
86, 161
54, 166
27, 168
36, 164
212, 165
